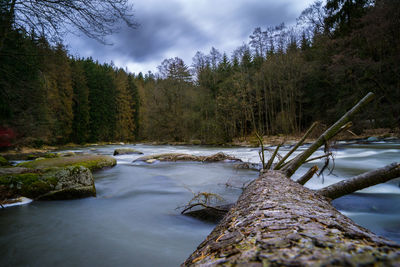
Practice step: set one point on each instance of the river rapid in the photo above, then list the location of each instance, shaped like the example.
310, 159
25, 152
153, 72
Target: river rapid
135, 219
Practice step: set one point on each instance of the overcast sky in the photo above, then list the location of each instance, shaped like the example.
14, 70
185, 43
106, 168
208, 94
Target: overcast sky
180, 28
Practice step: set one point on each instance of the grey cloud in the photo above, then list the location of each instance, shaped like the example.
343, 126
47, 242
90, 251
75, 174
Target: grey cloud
180, 28
157, 33
263, 14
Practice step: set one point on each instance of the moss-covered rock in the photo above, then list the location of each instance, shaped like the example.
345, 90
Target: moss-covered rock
92, 162
4, 162
30, 156
126, 151
56, 183
69, 183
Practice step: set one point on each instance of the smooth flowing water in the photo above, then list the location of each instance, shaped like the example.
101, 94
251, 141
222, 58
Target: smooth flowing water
134, 220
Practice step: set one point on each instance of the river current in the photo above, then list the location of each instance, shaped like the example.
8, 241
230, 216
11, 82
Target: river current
135, 219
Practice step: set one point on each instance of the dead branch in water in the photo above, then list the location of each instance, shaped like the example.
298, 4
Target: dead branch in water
361, 181
308, 175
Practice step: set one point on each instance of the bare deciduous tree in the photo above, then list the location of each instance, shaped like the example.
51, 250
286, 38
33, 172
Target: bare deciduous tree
53, 18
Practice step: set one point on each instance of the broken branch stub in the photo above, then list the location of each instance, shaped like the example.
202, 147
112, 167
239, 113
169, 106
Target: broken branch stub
308, 175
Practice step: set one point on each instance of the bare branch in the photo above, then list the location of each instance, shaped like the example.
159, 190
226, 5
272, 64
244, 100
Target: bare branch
308, 175
271, 160
361, 181
291, 168
94, 18
262, 155
320, 157
281, 162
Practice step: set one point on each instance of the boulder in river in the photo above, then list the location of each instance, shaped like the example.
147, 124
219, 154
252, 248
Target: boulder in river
126, 151
187, 157
50, 184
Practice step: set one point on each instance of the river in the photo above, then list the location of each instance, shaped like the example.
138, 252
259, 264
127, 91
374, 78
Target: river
135, 219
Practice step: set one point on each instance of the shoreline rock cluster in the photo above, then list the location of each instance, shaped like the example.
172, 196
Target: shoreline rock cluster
54, 178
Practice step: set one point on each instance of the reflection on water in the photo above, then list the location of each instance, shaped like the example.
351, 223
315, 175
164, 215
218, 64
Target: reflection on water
133, 221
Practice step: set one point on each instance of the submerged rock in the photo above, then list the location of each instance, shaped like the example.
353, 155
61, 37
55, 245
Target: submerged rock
126, 151
248, 165
210, 214
53, 183
187, 157
372, 139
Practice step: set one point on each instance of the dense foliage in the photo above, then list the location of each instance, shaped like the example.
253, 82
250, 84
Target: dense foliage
280, 82
49, 97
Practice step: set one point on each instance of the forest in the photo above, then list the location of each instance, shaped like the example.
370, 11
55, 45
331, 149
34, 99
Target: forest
279, 82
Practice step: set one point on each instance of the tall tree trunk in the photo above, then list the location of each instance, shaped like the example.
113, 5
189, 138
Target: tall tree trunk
278, 222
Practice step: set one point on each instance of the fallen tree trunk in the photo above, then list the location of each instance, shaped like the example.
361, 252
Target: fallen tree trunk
277, 221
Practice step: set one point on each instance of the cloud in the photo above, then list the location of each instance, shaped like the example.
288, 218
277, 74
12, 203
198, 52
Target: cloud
181, 27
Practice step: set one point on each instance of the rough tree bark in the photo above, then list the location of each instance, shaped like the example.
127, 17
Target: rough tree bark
279, 222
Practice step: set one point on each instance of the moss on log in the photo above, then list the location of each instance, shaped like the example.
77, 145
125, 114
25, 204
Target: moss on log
278, 222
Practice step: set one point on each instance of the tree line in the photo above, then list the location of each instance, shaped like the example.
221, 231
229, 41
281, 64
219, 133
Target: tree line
281, 81
48, 97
